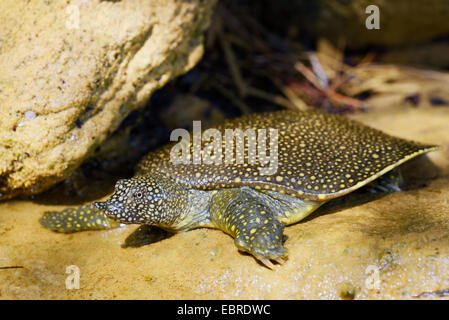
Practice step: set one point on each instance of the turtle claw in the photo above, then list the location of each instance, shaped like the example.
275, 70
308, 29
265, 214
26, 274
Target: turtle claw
267, 263
265, 245
279, 260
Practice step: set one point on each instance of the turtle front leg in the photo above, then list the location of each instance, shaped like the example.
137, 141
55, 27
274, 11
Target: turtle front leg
254, 226
264, 242
83, 218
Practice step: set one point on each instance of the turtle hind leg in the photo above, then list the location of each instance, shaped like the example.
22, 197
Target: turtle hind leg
390, 182
77, 219
252, 223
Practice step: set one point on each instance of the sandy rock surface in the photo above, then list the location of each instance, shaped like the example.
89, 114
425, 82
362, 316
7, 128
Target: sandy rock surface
360, 246
71, 71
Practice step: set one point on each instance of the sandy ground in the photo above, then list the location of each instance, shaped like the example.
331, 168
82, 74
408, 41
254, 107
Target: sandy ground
400, 239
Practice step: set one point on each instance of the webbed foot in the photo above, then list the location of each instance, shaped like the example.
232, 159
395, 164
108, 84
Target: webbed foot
264, 243
249, 217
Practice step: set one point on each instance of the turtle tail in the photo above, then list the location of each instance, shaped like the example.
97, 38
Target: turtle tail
77, 219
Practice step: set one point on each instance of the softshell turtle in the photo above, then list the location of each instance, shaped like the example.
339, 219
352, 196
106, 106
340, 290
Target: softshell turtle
320, 157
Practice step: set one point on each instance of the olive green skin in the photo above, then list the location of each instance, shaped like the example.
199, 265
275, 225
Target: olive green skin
320, 157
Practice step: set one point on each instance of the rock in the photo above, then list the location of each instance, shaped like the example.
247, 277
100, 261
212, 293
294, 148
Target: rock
343, 21
187, 108
69, 74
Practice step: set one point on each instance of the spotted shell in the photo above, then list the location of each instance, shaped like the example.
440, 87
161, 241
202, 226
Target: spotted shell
320, 156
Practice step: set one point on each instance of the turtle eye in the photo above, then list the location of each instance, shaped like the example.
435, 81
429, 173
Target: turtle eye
137, 195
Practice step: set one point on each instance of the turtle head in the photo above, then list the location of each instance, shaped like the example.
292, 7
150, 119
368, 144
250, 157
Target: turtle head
152, 199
